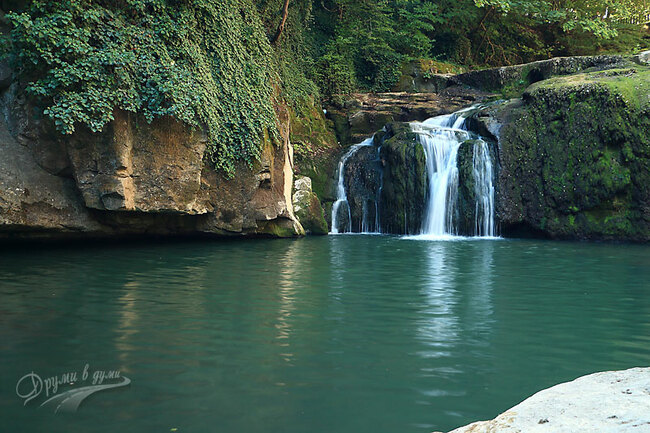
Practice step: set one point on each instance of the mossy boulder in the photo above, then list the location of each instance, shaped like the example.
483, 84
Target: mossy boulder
426, 75
404, 191
307, 207
575, 157
466, 190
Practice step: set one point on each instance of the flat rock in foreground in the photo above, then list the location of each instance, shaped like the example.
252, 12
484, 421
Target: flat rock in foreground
612, 401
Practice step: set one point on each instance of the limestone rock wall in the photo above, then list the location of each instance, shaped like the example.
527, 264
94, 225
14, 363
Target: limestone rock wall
133, 178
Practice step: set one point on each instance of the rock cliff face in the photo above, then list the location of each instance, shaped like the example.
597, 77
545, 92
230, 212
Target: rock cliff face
574, 157
133, 178
572, 162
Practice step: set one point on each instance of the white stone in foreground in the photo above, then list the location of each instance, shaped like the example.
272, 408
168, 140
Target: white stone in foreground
612, 401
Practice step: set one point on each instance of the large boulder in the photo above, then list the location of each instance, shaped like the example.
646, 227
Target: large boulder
608, 402
307, 207
574, 157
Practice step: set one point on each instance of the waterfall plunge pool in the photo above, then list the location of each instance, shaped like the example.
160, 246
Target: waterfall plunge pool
338, 333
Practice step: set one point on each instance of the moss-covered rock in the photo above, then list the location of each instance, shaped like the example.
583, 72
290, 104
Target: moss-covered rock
575, 157
466, 190
404, 190
316, 150
426, 75
307, 207
511, 81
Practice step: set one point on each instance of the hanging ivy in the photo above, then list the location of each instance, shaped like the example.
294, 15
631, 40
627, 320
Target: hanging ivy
207, 63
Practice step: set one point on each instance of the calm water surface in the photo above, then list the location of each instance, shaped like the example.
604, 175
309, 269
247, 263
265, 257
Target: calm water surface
333, 334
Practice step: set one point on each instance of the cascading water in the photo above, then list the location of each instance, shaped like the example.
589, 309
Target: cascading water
341, 206
483, 188
441, 138
449, 209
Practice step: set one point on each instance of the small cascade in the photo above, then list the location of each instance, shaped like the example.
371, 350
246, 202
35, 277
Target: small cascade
342, 210
484, 189
441, 138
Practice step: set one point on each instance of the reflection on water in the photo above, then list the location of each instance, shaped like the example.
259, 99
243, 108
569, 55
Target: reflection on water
439, 324
480, 305
342, 333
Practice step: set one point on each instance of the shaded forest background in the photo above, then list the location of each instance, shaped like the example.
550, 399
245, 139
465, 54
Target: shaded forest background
362, 44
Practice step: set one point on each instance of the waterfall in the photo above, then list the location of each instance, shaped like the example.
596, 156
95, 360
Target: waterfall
441, 138
449, 206
484, 189
341, 204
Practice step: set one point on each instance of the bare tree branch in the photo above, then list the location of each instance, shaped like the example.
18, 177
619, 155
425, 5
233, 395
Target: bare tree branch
283, 22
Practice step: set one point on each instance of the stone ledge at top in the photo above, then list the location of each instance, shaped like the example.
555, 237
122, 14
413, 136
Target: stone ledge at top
496, 79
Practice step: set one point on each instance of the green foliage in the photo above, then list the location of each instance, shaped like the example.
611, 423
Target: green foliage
207, 63
366, 42
293, 54
369, 41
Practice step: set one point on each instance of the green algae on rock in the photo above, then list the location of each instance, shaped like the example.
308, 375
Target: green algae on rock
575, 157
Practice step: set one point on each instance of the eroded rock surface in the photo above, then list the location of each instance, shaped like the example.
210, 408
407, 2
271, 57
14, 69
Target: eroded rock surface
134, 178
608, 402
364, 113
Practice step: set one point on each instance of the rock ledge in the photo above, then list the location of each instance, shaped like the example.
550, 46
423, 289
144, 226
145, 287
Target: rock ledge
611, 401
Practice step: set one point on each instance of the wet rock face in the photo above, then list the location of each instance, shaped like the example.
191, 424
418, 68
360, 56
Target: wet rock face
404, 191
363, 181
133, 178
466, 191
466, 216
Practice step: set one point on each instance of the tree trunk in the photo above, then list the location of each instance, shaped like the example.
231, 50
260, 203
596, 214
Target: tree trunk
285, 14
